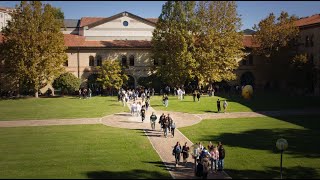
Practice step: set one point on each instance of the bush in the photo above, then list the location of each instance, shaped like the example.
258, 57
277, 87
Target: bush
67, 82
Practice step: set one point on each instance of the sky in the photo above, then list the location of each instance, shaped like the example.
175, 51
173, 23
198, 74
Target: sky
251, 11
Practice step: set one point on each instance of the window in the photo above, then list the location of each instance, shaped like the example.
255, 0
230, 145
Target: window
99, 61
131, 60
125, 23
91, 61
155, 62
250, 59
307, 41
124, 61
65, 63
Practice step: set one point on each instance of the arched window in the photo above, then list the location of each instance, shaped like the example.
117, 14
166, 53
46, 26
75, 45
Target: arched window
99, 61
91, 61
131, 60
124, 61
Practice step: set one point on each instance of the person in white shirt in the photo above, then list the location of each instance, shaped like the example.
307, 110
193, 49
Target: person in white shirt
225, 105
133, 108
138, 109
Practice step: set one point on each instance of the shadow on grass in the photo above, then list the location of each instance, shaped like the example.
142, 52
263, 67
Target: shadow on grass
132, 174
296, 172
302, 143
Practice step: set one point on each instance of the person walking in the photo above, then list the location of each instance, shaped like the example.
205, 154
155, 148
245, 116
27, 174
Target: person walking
214, 158
176, 152
165, 126
143, 113
225, 105
147, 103
185, 153
222, 154
218, 105
166, 101
80, 93
198, 96
170, 121
90, 93
194, 95
153, 119
173, 127
161, 121
206, 167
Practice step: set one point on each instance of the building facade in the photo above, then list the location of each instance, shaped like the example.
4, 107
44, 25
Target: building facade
126, 37
5, 16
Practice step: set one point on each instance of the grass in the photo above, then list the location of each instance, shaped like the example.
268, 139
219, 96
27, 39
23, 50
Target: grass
261, 102
79, 151
250, 145
59, 108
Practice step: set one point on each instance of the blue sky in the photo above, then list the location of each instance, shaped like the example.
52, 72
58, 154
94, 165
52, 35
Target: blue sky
251, 11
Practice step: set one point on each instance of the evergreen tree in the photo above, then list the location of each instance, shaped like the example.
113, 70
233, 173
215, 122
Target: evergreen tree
33, 49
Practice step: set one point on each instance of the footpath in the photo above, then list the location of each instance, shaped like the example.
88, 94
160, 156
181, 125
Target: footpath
163, 146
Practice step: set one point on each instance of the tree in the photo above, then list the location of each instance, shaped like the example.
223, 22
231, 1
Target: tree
276, 40
111, 75
58, 14
218, 41
172, 42
33, 48
67, 82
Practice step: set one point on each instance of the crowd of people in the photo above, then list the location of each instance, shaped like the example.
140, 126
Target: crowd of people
85, 93
208, 159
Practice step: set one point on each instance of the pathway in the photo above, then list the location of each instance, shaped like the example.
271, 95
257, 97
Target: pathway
163, 146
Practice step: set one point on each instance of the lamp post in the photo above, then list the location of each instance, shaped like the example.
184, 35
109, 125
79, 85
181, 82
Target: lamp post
195, 154
282, 145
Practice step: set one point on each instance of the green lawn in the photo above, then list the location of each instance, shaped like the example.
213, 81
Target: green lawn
261, 102
79, 151
60, 107
250, 145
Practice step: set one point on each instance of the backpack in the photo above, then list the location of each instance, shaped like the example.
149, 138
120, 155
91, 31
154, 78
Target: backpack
178, 149
206, 165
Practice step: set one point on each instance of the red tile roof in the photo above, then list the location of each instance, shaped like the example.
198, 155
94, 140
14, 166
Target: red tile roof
79, 41
85, 21
308, 20
154, 20
248, 41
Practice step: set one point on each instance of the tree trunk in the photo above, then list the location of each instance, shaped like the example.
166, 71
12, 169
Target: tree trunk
36, 94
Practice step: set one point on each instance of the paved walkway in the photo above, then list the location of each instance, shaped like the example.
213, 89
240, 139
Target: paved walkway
162, 145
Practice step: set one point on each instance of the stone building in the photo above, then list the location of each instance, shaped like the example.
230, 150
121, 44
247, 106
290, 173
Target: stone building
5, 16
127, 38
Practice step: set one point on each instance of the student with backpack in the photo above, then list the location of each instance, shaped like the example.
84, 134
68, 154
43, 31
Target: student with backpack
176, 151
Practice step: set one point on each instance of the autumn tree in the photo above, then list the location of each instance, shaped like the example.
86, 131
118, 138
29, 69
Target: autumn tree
111, 75
172, 42
218, 41
33, 49
276, 40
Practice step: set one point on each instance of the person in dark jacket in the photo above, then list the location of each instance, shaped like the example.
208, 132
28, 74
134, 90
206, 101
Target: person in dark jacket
198, 96
218, 105
222, 154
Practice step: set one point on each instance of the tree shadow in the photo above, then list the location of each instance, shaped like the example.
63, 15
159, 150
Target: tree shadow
131, 174
302, 142
297, 172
